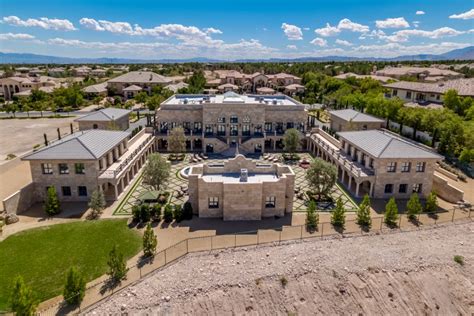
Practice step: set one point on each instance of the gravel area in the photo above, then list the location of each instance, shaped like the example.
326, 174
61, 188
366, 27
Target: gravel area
409, 273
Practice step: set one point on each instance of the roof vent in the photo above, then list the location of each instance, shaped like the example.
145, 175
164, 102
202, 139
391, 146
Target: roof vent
274, 101
185, 101
244, 175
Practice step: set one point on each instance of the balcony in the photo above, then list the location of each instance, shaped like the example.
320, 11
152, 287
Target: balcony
135, 150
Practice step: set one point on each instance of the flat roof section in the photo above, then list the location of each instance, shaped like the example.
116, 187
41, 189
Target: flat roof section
231, 98
235, 178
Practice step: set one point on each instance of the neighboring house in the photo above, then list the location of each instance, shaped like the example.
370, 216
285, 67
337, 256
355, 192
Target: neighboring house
381, 79
14, 85
95, 90
176, 86
214, 123
105, 119
131, 91
429, 92
85, 161
351, 120
82, 71
377, 163
56, 72
421, 73
98, 72
241, 189
146, 80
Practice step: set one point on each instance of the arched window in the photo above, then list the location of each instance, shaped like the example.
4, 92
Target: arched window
95, 126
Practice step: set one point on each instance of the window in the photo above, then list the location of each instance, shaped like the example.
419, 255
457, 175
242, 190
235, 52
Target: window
403, 188
438, 97
221, 129
66, 191
290, 125
391, 167
246, 119
245, 130
214, 202
47, 168
417, 187
268, 127
95, 126
406, 167
408, 94
197, 127
209, 129
221, 120
80, 169
420, 166
234, 130
82, 190
270, 201
234, 119
388, 188
394, 93
371, 163
63, 168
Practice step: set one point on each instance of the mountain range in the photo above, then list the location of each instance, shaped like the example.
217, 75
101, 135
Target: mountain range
466, 53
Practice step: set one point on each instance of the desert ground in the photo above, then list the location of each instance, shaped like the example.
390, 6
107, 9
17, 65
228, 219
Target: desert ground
407, 273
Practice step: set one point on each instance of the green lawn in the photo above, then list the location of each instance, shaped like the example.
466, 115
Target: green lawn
43, 255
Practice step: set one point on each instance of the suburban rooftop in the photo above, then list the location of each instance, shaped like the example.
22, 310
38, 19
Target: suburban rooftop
354, 116
108, 114
141, 77
84, 145
382, 144
231, 98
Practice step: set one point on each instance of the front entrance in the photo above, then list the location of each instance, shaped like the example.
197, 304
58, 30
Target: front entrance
209, 148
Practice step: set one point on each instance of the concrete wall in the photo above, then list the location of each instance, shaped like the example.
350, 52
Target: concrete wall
446, 191
120, 124
340, 125
21, 200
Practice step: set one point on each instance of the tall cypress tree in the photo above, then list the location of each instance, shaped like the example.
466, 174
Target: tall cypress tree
149, 241
22, 299
338, 216
363, 213
391, 213
51, 205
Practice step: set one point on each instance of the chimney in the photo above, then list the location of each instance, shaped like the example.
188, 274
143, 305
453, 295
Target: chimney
243, 175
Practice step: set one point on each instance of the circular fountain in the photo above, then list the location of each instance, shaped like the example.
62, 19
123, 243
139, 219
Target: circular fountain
185, 172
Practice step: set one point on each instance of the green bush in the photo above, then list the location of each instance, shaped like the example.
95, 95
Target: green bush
75, 287
136, 213
187, 211
145, 213
338, 216
155, 212
51, 205
149, 241
391, 213
178, 213
117, 265
414, 207
23, 301
168, 214
459, 259
363, 213
312, 217
431, 205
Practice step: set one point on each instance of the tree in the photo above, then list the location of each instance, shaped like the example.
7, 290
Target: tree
75, 287
291, 140
312, 217
177, 140
22, 300
51, 205
391, 213
117, 265
414, 207
363, 213
156, 171
178, 213
154, 102
187, 211
321, 177
338, 216
168, 214
97, 203
149, 241
451, 100
141, 97
196, 82
431, 205
467, 155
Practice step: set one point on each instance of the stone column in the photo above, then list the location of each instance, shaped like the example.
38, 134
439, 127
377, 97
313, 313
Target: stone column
357, 189
350, 182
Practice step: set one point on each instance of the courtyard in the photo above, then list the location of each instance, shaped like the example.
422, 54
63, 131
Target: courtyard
177, 187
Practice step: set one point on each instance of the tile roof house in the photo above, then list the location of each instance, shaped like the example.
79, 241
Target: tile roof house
105, 119
146, 80
350, 120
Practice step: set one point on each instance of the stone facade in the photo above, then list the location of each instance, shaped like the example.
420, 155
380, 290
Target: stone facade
341, 125
121, 124
255, 125
215, 190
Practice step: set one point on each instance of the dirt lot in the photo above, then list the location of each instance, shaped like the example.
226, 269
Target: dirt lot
410, 273
20, 135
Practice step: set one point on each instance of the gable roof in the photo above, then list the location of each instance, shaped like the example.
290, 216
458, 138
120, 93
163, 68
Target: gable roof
104, 115
85, 145
141, 77
132, 88
96, 88
354, 116
385, 145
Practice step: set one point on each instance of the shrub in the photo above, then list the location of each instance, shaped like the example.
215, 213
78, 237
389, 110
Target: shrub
75, 287
459, 259
155, 212
97, 203
363, 213
178, 213
338, 216
149, 241
22, 300
51, 205
145, 213
168, 214
283, 281
391, 213
431, 205
312, 217
117, 265
414, 207
136, 213
187, 211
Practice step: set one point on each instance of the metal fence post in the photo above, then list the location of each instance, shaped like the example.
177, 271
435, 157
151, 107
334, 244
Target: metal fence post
235, 240
322, 230
187, 245
381, 223
211, 243
454, 212
165, 257
400, 222
301, 232
258, 239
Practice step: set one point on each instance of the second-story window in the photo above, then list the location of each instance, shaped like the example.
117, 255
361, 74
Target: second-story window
417, 188
245, 130
270, 201
197, 127
420, 166
234, 119
221, 119
63, 168
214, 202
391, 167
80, 169
268, 127
405, 166
47, 168
208, 129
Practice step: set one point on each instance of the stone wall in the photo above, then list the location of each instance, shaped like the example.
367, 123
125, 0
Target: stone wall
21, 200
446, 191
340, 125
121, 124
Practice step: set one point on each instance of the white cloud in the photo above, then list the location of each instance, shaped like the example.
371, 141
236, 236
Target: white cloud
396, 49
291, 47
392, 23
306, 28
45, 23
327, 31
343, 42
318, 41
438, 33
346, 24
419, 12
103, 25
292, 32
16, 36
464, 16
416, 23
211, 30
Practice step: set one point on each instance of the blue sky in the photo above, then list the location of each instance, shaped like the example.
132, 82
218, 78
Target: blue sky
235, 29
